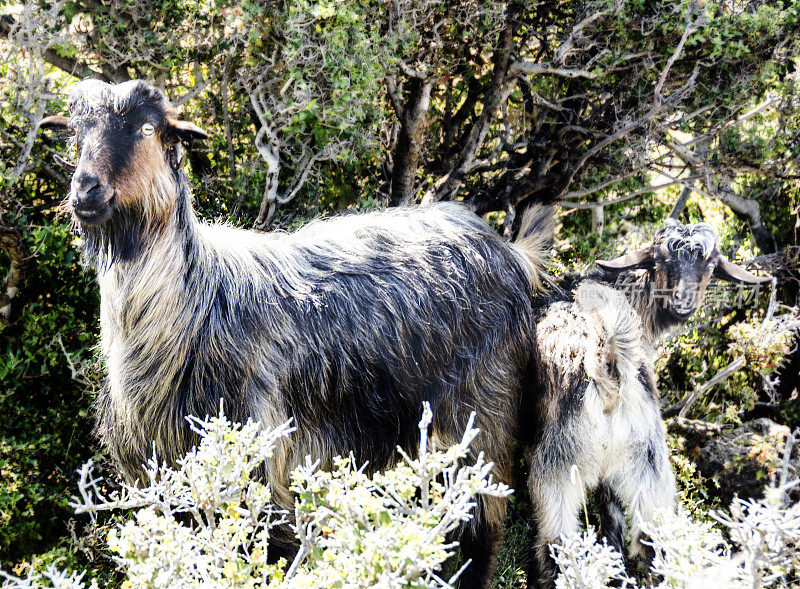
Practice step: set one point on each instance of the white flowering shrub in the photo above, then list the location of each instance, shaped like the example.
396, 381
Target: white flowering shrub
587, 563
57, 579
390, 529
689, 553
208, 521
767, 533
763, 549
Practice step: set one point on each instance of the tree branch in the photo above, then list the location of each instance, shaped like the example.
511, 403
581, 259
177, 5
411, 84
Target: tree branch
606, 184
630, 195
531, 69
695, 159
498, 92
394, 91
270, 151
200, 84
657, 103
407, 150
72, 66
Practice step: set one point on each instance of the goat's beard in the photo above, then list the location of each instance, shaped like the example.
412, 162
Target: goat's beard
120, 239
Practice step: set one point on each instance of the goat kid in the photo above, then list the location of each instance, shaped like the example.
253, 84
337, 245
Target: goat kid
596, 408
345, 326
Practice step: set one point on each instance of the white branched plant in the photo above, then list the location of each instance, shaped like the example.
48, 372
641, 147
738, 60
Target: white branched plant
689, 553
57, 579
763, 550
208, 521
767, 531
768, 535
390, 529
587, 563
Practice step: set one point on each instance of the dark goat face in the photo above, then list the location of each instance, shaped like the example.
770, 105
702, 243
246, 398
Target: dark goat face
127, 138
682, 259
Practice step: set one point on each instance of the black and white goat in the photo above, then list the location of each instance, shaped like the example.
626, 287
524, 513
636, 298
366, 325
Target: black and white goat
596, 408
346, 325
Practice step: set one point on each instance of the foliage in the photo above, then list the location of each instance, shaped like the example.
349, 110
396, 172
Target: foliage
695, 494
310, 104
586, 563
208, 523
761, 551
44, 417
389, 529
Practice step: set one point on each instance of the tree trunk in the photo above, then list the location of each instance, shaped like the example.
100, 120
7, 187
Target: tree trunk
409, 142
11, 243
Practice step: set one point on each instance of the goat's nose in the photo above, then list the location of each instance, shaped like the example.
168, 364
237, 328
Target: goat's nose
87, 189
683, 288
84, 182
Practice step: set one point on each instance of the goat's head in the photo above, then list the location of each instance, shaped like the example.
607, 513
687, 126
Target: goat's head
682, 260
128, 144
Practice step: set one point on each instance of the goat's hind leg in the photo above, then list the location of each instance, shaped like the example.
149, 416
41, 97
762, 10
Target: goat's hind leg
480, 541
645, 483
556, 507
612, 518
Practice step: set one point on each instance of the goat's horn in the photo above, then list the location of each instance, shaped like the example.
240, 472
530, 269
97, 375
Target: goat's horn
187, 131
727, 270
54, 122
627, 262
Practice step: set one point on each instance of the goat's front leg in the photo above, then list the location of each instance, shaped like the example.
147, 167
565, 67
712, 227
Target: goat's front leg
556, 503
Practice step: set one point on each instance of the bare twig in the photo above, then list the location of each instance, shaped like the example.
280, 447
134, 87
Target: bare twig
686, 403
745, 117
565, 47
410, 71
605, 184
694, 425
498, 93
628, 196
691, 26
200, 84
695, 159
531, 69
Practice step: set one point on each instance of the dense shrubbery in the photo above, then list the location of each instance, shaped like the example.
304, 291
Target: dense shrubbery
208, 523
315, 106
44, 416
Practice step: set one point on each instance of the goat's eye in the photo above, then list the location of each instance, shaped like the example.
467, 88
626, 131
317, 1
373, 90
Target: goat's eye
148, 129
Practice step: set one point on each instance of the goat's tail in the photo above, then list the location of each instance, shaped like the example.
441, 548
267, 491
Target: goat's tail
535, 242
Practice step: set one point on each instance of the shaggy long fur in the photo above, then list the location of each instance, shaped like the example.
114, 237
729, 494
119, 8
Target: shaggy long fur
594, 419
597, 413
346, 325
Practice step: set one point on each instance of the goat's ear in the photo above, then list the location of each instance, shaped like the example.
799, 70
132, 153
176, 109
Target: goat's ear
185, 131
629, 261
57, 122
727, 270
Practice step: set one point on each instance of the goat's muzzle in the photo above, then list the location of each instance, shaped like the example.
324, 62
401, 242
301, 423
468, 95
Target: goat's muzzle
685, 298
683, 308
91, 200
